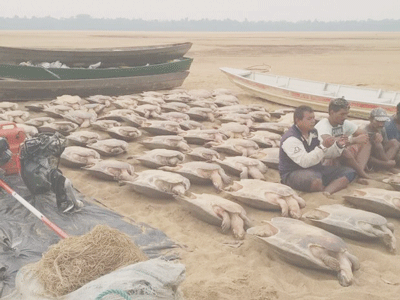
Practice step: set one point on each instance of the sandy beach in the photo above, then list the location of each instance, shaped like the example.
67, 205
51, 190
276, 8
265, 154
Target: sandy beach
215, 267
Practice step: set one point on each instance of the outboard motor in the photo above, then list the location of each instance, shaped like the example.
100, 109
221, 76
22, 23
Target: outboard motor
39, 158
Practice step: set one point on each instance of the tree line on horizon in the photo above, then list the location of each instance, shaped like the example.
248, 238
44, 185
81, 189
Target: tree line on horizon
86, 22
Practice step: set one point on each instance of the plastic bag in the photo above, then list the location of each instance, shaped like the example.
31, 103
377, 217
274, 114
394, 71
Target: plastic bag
151, 280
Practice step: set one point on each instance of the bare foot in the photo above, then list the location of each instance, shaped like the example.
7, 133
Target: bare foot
364, 175
362, 181
394, 170
389, 164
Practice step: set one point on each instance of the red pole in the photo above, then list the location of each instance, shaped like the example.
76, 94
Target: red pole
33, 210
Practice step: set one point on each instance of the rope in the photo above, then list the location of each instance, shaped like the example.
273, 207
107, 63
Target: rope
263, 68
113, 291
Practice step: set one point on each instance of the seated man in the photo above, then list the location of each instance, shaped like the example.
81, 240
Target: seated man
358, 148
392, 127
301, 154
383, 150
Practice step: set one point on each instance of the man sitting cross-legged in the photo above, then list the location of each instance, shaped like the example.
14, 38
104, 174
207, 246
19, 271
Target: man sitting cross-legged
383, 150
392, 126
301, 154
357, 146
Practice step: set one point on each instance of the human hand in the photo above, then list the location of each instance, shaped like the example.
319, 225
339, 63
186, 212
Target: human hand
342, 141
328, 141
378, 138
361, 139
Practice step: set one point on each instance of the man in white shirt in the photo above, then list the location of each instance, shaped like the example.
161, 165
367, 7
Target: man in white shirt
301, 153
358, 148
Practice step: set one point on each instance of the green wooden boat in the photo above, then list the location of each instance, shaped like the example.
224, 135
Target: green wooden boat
109, 57
39, 73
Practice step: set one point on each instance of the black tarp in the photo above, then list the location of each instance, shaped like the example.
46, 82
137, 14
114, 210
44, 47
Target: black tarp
34, 237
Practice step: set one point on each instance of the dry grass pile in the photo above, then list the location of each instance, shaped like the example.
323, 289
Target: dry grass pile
75, 261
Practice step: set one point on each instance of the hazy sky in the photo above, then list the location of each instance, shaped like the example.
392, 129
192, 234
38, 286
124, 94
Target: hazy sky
253, 10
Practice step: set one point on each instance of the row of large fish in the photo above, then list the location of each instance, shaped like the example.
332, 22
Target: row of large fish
208, 137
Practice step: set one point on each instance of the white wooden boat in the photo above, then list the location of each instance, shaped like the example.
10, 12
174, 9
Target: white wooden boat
294, 92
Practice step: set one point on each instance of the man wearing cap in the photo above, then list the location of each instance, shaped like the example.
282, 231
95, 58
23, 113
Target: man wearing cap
383, 150
358, 148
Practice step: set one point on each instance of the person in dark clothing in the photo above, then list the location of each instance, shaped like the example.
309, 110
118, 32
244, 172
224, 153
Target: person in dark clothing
384, 150
392, 126
301, 154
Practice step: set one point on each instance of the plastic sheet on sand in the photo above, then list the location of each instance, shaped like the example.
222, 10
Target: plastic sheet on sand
32, 237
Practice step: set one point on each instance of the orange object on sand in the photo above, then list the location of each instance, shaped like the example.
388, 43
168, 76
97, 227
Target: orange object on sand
15, 137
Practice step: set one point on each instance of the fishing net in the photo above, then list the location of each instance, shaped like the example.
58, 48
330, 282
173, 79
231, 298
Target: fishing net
75, 261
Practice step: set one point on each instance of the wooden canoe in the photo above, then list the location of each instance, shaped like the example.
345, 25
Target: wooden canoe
294, 92
39, 73
111, 57
25, 90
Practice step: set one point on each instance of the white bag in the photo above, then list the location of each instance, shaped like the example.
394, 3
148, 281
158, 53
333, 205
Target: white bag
151, 280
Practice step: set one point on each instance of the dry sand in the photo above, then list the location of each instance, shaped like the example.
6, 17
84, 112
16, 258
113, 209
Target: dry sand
216, 270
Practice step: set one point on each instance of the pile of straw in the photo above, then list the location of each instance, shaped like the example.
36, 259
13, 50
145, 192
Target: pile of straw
75, 261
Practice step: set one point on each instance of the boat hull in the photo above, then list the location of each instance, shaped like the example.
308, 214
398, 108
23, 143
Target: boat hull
39, 73
25, 90
292, 97
113, 57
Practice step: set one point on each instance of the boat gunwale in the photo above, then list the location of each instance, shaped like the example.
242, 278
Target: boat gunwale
90, 79
105, 50
176, 60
